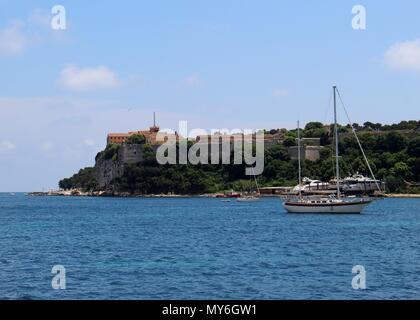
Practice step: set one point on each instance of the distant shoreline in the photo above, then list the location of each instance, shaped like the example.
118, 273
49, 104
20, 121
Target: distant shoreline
77, 193
103, 194
402, 195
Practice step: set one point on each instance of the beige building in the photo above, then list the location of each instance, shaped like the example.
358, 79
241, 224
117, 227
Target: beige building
150, 135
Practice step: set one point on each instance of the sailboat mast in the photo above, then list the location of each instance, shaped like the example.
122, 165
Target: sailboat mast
300, 174
337, 169
255, 179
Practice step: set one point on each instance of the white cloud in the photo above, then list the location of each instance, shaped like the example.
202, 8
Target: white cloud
12, 39
40, 19
19, 34
404, 56
6, 146
86, 79
192, 81
281, 92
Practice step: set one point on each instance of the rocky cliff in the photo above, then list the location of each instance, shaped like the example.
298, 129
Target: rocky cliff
108, 167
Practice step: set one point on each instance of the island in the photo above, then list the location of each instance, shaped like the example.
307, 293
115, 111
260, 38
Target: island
128, 166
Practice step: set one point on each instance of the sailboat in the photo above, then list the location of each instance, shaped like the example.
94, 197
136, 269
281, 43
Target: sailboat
250, 197
338, 204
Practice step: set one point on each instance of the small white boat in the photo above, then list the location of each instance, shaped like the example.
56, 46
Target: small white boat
309, 184
247, 199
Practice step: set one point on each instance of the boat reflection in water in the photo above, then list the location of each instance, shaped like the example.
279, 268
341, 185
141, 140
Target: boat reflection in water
248, 198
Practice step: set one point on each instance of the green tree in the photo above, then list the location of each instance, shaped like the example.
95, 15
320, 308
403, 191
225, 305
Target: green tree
136, 139
289, 142
395, 141
85, 180
413, 148
314, 125
400, 170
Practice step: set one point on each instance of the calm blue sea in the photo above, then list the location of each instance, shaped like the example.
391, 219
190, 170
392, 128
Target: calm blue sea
195, 248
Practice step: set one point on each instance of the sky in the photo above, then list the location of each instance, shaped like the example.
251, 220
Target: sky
216, 64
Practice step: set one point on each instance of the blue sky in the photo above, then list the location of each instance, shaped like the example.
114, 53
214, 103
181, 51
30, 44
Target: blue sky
217, 64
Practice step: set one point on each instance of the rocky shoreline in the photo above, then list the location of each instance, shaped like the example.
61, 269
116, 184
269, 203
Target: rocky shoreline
79, 193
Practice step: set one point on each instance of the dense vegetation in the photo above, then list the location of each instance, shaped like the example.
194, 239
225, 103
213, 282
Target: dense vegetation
84, 179
393, 152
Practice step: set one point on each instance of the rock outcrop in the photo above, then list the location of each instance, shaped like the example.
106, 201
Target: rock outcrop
109, 169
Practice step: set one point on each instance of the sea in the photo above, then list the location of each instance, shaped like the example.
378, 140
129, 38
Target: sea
204, 248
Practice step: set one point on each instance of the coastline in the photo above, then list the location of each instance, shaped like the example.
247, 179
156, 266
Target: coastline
79, 193
403, 195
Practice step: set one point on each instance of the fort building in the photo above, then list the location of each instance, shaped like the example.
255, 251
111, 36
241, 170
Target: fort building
150, 135
309, 149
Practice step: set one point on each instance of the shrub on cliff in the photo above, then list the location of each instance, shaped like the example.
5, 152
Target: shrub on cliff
111, 151
136, 139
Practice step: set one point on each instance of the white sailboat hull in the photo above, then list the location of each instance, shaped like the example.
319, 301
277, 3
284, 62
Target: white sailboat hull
327, 208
